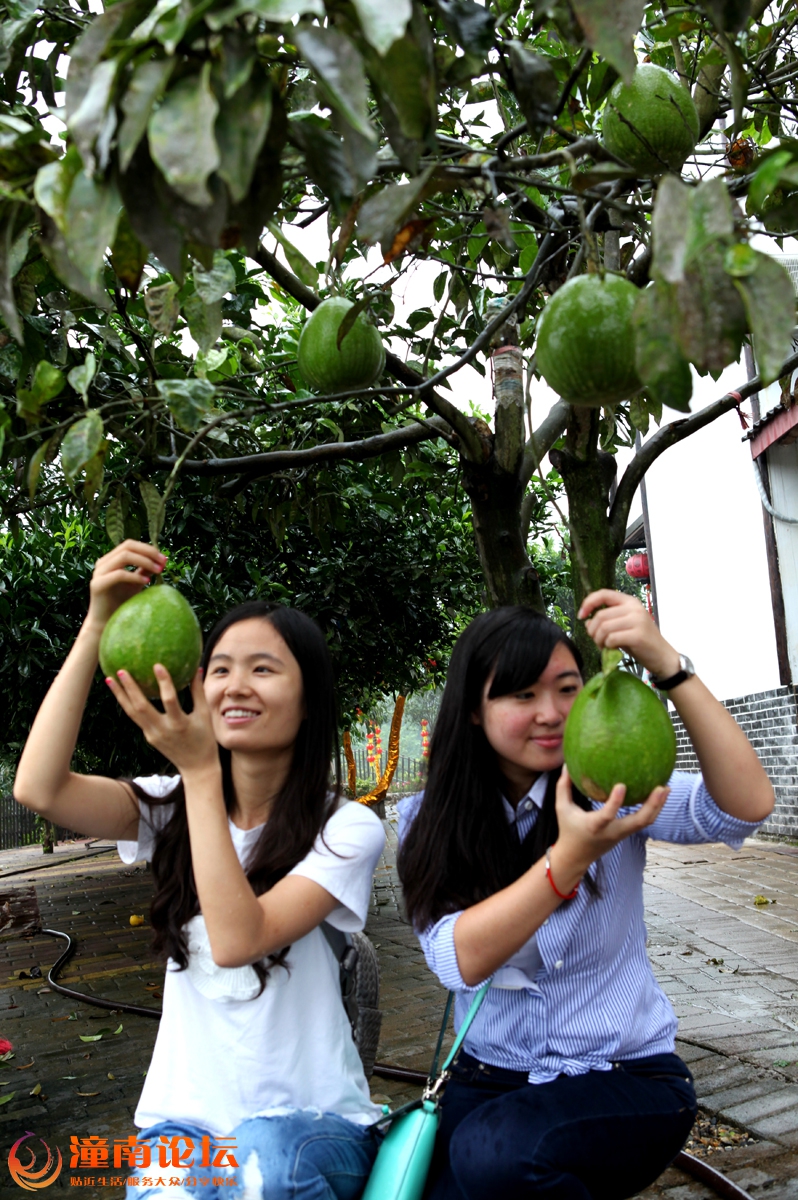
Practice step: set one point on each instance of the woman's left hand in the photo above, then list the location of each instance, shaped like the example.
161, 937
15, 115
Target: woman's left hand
621, 623
185, 739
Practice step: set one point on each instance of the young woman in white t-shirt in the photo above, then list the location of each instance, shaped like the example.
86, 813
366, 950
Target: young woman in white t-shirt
250, 853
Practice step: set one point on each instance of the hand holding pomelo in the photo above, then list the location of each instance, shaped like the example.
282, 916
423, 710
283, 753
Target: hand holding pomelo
618, 731
156, 626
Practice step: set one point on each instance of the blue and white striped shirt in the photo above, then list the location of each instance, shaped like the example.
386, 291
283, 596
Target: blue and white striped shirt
581, 993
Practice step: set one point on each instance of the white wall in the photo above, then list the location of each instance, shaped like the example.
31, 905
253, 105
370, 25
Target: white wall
709, 551
783, 471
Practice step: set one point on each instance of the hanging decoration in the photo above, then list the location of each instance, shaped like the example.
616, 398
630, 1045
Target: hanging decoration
424, 738
351, 766
384, 781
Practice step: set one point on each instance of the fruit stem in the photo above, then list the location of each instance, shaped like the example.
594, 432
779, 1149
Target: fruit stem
610, 660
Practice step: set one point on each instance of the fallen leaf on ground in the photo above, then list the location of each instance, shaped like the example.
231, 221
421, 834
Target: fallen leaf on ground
5, 1099
35, 1090
136, 919
110, 1075
87, 1093
25, 1066
762, 900
42, 991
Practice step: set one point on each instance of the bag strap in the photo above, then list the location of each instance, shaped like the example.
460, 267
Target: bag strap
346, 956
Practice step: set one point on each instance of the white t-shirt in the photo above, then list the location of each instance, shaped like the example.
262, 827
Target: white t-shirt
222, 1056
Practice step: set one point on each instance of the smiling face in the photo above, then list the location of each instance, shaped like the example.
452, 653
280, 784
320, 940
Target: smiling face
526, 728
253, 685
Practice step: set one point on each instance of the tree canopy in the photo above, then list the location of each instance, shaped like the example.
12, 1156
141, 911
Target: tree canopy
150, 326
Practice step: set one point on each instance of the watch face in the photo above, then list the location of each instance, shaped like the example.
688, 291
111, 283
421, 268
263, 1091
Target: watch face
686, 664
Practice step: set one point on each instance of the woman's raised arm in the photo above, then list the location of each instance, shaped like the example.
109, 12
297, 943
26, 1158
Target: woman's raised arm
734, 776
91, 804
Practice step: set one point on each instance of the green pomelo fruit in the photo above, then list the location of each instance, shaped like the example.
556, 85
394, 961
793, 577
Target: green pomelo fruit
651, 123
156, 626
586, 341
618, 731
358, 363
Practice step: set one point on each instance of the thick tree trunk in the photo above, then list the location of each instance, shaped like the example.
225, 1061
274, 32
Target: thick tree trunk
496, 488
588, 474
496, 495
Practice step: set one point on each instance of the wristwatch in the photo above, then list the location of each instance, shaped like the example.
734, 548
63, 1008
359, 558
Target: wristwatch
686, 670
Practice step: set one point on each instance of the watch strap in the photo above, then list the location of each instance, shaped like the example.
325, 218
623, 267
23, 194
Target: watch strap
686, 670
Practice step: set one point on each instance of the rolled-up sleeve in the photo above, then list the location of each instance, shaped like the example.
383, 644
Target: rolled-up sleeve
437, 942
691, 816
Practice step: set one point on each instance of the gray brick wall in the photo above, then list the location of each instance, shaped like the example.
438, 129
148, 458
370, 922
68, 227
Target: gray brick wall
770, 719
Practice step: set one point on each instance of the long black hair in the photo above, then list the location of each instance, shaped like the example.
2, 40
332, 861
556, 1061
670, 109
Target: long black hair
298, 812
460, 848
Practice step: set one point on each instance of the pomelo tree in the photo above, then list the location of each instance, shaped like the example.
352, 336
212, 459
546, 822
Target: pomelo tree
151, 323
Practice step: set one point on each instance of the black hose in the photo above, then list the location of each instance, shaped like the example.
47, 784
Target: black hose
97, 1001
696, 1167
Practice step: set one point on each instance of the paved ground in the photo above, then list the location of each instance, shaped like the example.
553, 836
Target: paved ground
730, 966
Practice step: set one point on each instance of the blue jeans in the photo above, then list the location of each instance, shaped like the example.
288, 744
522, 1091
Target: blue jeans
300, 1154
605, 1135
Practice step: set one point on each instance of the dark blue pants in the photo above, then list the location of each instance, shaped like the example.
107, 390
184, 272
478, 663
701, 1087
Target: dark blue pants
601, 1136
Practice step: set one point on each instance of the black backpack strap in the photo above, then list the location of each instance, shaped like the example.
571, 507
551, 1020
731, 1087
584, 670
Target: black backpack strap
346, 956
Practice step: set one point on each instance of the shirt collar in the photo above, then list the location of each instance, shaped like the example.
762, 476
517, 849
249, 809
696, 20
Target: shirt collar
535, 796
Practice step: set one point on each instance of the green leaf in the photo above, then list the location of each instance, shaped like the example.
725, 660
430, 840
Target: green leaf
87, 121
241, 129
769, 297
535, 85
382, 23
711, 315
711, 217
53, 184
146, 85
204, 321
5, 425
35, 466
439, 285
272, 10
660, 362
404, 84
47, 383
80, 377
128, 255
181, 134
639, 416
81, 442
740, 260
8, 1096
767, 178
162, 306
611, 29
92, 213
9, 239
669, 228
303, 269
154, 508
339, 69
189, 400
115, 520
166, 23
387, 211
470, 24
349, 320
214, 283
205, 364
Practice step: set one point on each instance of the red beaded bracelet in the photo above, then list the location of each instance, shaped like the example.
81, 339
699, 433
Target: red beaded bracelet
562, 895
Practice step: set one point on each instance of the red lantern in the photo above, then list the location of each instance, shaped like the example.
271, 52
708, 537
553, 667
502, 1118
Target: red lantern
637, 567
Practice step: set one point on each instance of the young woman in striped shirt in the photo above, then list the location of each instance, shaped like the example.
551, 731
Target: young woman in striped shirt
568, 1086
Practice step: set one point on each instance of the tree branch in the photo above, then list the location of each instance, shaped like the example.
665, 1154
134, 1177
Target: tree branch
544, 437
254, 466
471, 445
668, 436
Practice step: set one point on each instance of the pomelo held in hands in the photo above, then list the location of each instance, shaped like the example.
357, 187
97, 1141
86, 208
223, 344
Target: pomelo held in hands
618, 731
156, 626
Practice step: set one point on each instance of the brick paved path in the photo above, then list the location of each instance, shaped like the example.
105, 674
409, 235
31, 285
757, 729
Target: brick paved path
738, 1016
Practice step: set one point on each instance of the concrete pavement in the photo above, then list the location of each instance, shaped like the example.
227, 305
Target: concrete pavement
729, 965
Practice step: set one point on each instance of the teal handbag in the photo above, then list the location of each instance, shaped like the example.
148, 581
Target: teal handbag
403, 1160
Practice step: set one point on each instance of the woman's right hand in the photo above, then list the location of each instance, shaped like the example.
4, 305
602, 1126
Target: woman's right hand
112, 583
586, 836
